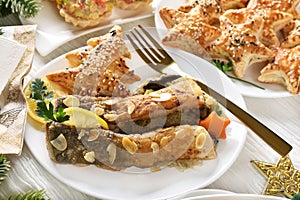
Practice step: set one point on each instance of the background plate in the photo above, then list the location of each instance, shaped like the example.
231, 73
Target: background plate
163, 184
271, 90
53, 31
234, 197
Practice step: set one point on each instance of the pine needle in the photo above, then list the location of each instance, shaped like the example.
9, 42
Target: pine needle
4, 167
25, 8
30, 195
296, 197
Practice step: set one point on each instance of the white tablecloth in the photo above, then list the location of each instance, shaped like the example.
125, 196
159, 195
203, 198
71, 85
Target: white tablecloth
281, 114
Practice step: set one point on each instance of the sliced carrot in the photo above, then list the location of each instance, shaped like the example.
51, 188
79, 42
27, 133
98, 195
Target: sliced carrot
215, 124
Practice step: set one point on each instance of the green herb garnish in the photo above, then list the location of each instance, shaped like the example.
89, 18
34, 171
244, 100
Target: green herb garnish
39, 91
45, 108
1, 31
227, 67
4, 167
30, 195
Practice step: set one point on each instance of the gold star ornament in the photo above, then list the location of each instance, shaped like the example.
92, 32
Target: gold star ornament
282, 177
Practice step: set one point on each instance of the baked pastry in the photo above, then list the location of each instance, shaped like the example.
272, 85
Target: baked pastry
291, 34
137, 135
192, 35
284, 70
249, 30
233, 4
133, 4
285, 6
206, 11
274, 20
171, 17
224, 4
99, 70
191, 31
86, 13
242, 18
239, 45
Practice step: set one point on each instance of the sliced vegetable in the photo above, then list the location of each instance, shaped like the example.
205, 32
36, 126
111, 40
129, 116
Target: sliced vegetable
215, 124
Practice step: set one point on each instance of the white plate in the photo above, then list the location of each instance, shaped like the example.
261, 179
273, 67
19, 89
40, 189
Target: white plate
53, 31
271, 90
200, 193
163, 184
234, 197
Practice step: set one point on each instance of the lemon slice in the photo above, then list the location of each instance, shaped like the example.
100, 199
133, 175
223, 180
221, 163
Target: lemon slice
82, 118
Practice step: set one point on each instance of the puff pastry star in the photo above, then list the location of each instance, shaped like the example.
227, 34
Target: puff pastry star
241, 46
233, 4
281, 5
282, 177
208, 11
192, 36
284, 70
225, 4
292, 34
274, 20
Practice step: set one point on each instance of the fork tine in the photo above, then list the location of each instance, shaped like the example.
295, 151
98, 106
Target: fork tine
159, 56
145, 48
143, 56
156, 44
138, 50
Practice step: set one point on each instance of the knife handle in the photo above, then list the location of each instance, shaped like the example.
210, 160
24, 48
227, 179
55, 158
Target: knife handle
266, 134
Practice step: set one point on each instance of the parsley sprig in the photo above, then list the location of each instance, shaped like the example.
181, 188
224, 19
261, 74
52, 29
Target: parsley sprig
45, 108
227, 67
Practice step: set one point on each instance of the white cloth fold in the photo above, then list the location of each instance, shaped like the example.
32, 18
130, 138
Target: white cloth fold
15, 60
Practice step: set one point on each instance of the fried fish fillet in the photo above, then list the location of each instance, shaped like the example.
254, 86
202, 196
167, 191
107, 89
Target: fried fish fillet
181, 103
117, 151
117, 72
145, 130
101, 70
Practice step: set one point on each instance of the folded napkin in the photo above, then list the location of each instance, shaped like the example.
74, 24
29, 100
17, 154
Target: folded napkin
10, 56
17, 52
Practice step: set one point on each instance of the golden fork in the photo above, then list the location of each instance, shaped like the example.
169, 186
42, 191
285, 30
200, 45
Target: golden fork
159, 60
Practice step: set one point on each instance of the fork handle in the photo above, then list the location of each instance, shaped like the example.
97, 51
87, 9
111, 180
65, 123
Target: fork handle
271, 138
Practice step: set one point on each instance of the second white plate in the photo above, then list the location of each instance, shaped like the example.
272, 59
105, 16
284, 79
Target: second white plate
270, 91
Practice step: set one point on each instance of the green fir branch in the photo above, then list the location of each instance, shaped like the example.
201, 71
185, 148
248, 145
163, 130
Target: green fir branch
4, 167
25, 8
31, 195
